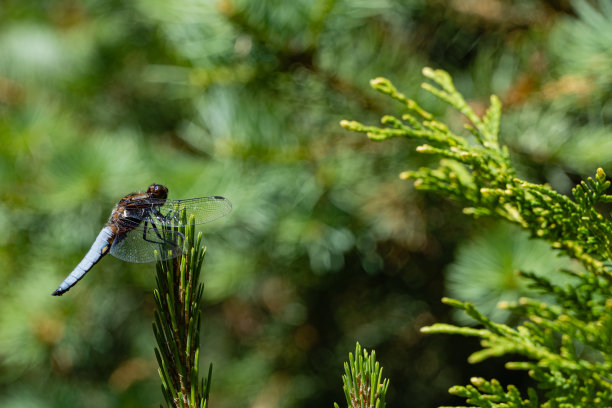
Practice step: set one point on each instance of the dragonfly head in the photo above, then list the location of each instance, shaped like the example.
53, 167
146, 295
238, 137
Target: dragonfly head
157, 191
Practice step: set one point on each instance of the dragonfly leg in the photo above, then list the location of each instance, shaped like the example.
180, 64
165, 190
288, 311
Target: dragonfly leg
144, 234
162, 240
172, 215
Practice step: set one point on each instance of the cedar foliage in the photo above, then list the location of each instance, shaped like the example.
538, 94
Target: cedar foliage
563, 344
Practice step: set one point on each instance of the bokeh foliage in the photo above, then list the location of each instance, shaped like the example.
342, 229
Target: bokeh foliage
242, 98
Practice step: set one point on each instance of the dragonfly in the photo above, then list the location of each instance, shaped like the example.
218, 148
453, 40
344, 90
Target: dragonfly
142, 223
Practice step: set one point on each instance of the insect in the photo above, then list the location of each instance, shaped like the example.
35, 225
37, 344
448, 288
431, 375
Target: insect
141, 223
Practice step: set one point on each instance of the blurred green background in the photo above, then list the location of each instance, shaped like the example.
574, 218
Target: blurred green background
325, 245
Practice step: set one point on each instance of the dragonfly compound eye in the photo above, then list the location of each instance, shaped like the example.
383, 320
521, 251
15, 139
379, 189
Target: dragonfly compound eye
157, 191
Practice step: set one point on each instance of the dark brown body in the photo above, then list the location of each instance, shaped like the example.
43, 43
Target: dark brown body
130, 210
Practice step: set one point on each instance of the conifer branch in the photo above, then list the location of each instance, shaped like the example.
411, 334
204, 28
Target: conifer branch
177, 322
481, 176
566, 346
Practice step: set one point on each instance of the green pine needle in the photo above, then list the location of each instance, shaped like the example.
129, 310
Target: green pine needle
364, 386
177, 322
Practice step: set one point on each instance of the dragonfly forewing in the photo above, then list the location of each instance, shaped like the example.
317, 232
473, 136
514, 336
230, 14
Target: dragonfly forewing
203, 209
157, 229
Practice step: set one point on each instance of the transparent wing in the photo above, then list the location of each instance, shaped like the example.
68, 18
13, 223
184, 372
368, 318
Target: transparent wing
165, 213
155, 227
204, 209
132, 247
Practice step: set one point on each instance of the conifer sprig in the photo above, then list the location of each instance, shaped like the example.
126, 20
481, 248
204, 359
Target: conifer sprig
177, 321
479, 174
566, 346
364, 386
549, 341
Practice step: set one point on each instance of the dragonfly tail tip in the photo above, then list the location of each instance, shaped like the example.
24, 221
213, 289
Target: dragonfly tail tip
58, 292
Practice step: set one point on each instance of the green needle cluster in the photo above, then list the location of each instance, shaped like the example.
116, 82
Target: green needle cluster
177, 321
364, 385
